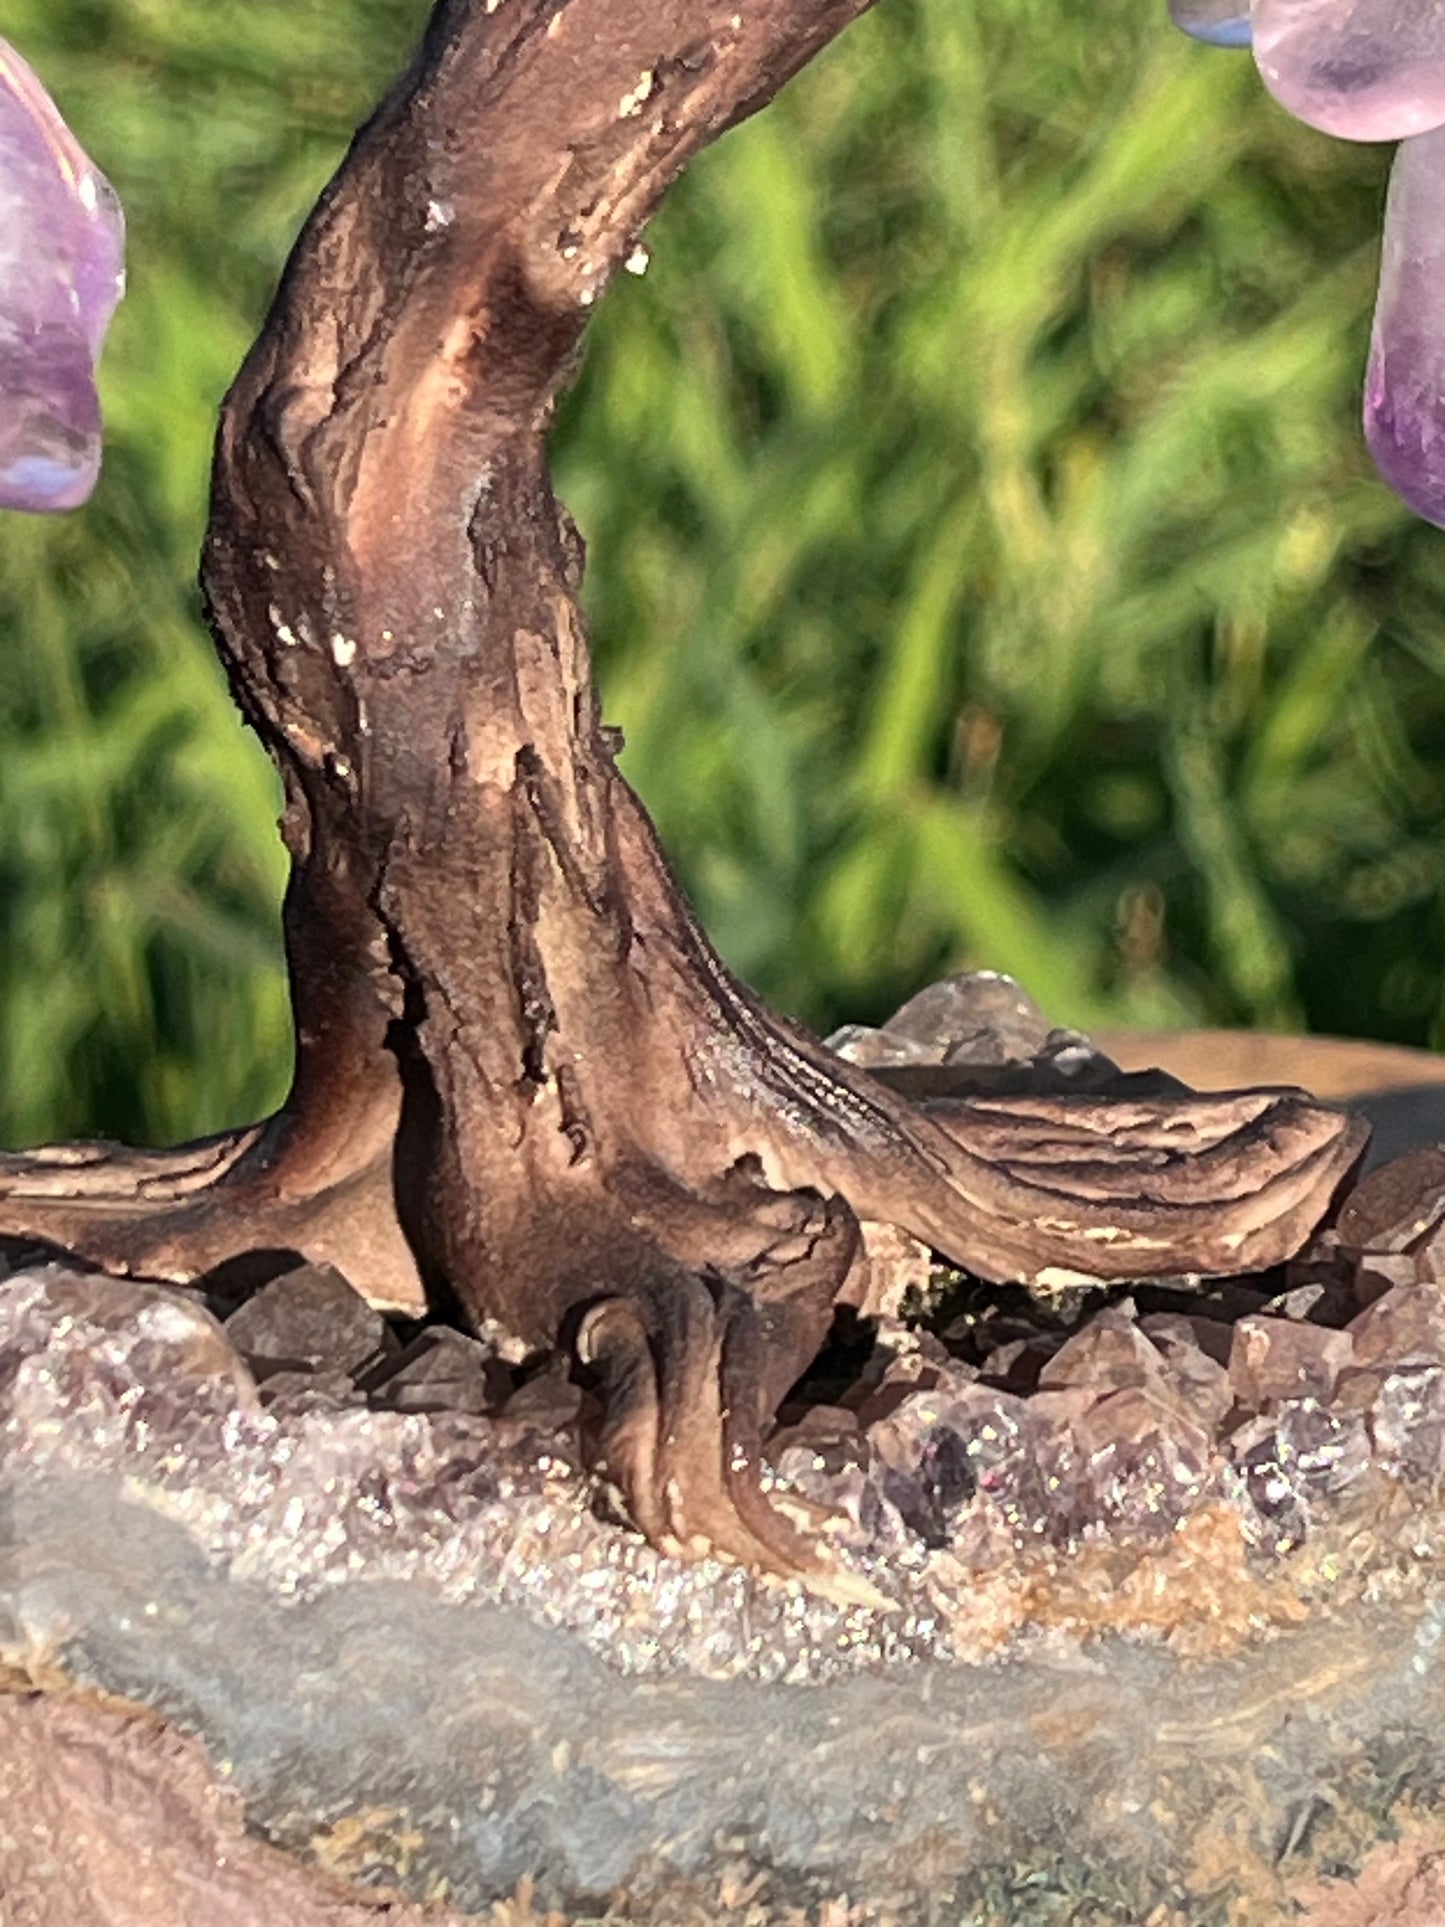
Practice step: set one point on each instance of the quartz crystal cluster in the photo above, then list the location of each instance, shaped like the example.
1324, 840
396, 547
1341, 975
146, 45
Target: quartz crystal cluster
62, 248
1373, 70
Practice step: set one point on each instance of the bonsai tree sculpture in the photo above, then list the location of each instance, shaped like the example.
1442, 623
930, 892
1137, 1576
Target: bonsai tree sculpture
526, 1088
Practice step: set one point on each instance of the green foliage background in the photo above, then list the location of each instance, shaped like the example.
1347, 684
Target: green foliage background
986, 566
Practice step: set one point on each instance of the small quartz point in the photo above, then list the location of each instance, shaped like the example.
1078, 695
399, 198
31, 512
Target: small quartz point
978, 1017
1220, 23
1282, 1358
308, 1317
1405, 378
1366, 70
62, 256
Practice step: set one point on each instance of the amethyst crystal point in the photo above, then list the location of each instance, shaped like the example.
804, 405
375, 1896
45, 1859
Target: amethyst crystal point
1367, 70
62, 250
1221, 23
1405, 379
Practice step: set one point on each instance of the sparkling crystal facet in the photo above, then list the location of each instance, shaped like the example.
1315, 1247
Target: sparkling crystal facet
62, 245
1405, 379
1221, 23
1367, 70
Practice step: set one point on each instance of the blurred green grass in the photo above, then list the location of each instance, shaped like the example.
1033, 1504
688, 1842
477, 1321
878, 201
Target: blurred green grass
985, 564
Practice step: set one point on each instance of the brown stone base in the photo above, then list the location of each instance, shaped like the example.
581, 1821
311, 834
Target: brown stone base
109, 1817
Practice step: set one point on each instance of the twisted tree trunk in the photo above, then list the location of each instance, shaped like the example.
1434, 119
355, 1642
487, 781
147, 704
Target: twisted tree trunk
524, 1079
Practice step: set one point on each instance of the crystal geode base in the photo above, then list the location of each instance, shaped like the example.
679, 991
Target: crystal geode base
1163, 1563
424, 1656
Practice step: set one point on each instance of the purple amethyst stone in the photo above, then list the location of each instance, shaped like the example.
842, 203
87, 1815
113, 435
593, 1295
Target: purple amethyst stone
1405, 379
62, 271
1366, 70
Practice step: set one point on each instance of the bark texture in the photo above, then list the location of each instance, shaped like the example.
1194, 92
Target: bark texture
525, 1081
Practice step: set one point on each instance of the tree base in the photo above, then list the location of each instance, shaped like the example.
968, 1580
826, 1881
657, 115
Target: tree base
693, 1312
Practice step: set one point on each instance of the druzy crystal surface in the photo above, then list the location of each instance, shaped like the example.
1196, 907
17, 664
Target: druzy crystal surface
1366, 70
429, 1653
1405, 378
62, 247
1220, 23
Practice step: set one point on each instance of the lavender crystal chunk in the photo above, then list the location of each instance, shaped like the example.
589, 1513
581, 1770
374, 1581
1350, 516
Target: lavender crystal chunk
1405, 379
1367, 70
1289, 1465
1220, 23
62, 250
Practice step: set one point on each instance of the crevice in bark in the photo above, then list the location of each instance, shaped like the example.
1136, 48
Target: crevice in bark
524, 1078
